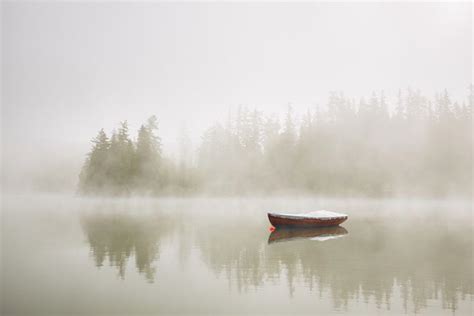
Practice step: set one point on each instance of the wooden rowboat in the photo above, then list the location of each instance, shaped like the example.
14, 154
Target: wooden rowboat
311, 219
312, 233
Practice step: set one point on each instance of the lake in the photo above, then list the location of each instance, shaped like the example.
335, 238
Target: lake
70, 255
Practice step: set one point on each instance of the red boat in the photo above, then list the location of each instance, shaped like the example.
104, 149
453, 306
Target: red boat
311, 219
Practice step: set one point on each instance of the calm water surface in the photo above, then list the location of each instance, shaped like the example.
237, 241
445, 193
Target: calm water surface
148, 256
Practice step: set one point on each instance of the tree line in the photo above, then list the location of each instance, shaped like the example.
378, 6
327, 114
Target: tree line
415, 145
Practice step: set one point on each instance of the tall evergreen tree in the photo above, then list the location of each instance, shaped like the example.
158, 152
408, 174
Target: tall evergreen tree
94, 174
120, 160
148, 157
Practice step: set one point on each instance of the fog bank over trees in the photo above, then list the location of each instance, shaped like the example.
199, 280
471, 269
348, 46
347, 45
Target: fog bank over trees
415, 146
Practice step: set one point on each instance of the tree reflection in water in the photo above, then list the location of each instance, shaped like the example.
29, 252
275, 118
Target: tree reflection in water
374, 263
116, 237
377, 261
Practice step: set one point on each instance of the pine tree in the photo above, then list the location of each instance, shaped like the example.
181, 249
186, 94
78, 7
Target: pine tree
400, 110
94, 174
288, 136
148, 157
120, 160
384, 115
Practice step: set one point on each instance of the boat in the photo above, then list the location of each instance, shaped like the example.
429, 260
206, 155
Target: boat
321, 218
314, 233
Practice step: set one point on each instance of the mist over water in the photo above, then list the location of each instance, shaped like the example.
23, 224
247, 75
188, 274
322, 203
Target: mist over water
142, 145
217, 255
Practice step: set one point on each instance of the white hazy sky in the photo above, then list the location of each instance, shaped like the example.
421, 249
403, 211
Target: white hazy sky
71, 68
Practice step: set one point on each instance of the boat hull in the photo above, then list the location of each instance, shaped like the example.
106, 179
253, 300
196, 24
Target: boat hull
288, 221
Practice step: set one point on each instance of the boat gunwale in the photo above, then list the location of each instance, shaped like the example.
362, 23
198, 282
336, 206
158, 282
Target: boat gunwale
305, 217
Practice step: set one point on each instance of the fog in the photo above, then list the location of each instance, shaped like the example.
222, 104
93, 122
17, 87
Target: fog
63, 255
143, 143
70, 69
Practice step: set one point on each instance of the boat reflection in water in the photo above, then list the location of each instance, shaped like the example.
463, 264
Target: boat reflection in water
316, 233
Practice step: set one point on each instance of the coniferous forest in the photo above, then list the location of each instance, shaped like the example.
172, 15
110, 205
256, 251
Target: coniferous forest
411, 146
